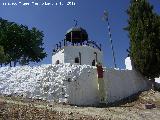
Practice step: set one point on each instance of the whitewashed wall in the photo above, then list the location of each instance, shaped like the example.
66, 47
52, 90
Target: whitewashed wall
73, 84
123, 83
87, 54
157, 80
71, 52
58, 56
128, 63
84, 90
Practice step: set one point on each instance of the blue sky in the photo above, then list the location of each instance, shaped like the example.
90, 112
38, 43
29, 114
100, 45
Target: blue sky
54, 20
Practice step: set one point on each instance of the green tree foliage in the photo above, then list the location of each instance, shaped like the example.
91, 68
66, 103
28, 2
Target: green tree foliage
21, 44
144, 34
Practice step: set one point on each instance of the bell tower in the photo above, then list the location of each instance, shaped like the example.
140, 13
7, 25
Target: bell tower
76, 48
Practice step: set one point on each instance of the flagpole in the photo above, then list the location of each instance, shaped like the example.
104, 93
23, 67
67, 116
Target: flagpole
110, 37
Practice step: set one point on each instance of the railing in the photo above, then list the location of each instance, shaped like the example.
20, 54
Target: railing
67, 43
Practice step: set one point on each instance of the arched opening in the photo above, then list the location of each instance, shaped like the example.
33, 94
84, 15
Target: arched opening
95, 56
76, 60
93, 63
57, 62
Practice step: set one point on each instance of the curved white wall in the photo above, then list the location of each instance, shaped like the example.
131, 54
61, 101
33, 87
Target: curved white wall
71, 52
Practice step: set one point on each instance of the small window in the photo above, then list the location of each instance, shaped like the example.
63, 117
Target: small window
93, 63
57, 62
76, 60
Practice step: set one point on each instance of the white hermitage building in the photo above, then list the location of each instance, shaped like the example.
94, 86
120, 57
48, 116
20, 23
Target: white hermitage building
76, 48
82, 85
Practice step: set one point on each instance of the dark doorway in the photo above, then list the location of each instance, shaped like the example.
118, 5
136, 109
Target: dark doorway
76, 60
93, 63
57, 62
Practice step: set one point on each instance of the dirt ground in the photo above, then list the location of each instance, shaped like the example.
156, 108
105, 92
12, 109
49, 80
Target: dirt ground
132, 108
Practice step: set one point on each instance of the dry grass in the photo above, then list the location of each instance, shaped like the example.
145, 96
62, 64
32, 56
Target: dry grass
132, 108
34, 111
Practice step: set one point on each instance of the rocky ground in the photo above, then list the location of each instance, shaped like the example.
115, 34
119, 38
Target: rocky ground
142, 106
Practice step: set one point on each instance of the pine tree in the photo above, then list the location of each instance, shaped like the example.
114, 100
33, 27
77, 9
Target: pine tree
144, 34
